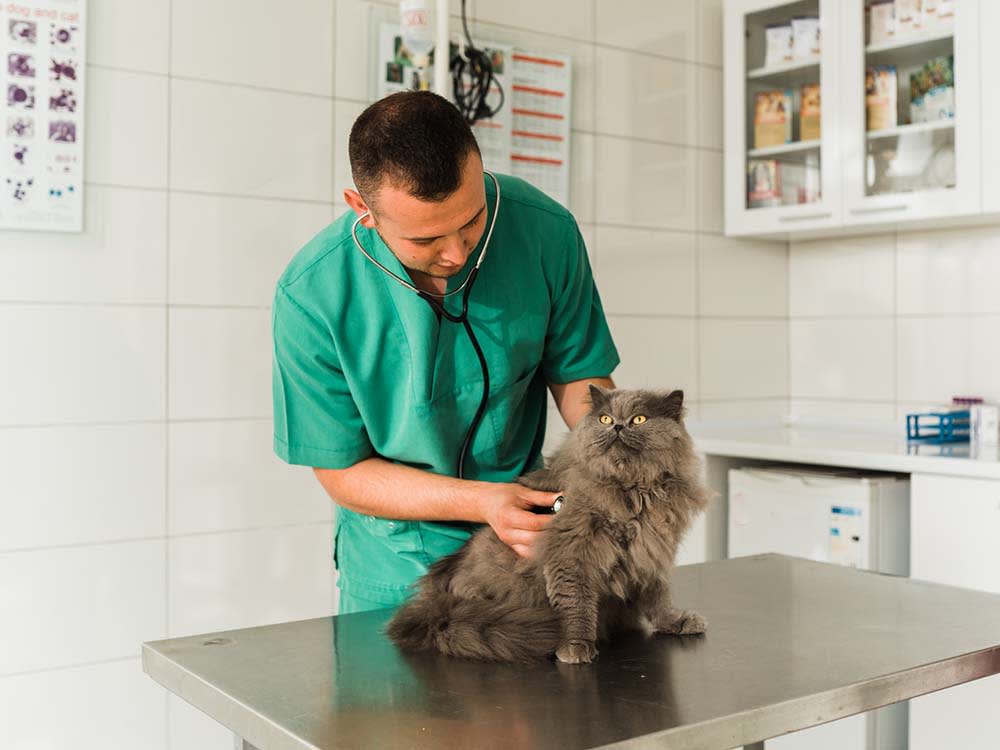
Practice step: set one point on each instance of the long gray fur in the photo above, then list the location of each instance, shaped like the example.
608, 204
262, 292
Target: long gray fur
602, 565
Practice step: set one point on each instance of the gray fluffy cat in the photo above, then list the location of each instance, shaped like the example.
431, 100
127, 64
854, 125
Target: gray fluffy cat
632, 487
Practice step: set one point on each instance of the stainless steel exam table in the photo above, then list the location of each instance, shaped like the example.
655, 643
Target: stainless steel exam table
791, 643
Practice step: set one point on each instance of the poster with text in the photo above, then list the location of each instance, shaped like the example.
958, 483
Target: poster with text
541, 104
41, 125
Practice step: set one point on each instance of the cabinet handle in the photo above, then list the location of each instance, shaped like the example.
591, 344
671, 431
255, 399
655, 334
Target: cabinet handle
880, 209
806, 217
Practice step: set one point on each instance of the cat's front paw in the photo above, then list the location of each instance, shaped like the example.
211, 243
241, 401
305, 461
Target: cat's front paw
576, 652
682, 622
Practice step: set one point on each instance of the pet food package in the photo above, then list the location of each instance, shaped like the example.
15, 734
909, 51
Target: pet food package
778, 44
800, 180
938, 15
763, 183
805, 38
881, 21
932, 91
772, 119
809, 113
909, 18
880, 97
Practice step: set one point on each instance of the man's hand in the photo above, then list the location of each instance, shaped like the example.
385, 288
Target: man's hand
507, 508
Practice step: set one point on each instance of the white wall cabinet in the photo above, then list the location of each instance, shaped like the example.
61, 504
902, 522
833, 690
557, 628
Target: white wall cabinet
989, 23
955, 540
860, 173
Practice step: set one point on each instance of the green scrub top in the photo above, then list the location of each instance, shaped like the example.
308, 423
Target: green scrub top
364, 367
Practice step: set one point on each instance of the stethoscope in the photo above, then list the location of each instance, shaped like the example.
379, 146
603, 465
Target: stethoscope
437, 302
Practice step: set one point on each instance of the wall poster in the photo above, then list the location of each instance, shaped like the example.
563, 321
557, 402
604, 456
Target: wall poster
42, 51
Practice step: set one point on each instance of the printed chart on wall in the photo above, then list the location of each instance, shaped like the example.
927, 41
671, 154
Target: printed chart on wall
529, 137
41, 127
540, 103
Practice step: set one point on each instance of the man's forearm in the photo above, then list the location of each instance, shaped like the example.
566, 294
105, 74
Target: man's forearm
381, 488
573, 399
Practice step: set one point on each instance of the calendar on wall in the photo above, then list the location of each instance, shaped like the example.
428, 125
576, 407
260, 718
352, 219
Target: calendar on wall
42, 51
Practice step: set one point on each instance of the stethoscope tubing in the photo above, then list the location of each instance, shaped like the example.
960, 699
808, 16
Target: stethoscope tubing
437, 302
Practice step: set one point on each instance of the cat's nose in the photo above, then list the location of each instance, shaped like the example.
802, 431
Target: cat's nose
619, 427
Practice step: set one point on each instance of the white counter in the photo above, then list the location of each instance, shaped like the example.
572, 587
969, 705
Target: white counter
843, 447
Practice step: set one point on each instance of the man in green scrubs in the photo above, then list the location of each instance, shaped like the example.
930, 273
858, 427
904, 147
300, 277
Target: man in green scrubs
376, 391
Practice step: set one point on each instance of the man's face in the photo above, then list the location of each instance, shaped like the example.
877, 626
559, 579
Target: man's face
432, 238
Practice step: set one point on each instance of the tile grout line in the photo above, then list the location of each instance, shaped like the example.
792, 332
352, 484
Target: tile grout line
162, 538
166, 380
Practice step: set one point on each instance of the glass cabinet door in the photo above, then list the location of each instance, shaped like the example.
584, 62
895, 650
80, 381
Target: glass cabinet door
780, 143
911, 101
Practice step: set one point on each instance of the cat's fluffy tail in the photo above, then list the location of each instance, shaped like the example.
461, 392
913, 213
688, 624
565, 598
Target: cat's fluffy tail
474, 629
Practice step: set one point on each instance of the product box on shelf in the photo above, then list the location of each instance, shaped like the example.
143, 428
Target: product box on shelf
809, 112
772, 118
805, 38
880, 97
909, 17
881, 21
779, 47
763, 183
932, 91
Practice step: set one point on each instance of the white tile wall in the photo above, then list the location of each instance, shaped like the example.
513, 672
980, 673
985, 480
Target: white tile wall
949, 272
255, 42
129, 34
656, 353
225, 476
851, 359
230, 251
646, 97
110, 705
110, 484
244, 579
220, 363
925, 314
120, 256
740, 278
242, 141
74, 605
646, 272
126, 134
743, 359
582, 186
843, 276
68, 364
670, 31
645, 184
570, 18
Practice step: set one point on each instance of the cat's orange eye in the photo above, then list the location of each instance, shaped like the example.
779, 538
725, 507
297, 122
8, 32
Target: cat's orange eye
605, 419
638, 419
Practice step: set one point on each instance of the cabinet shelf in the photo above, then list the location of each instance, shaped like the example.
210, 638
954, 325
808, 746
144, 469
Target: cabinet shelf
906, 42
784, 148
919, 127
777, 70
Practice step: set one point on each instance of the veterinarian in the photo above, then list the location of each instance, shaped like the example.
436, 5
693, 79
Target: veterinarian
376, 388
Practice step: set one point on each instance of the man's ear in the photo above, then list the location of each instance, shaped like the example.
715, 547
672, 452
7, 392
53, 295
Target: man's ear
357, 203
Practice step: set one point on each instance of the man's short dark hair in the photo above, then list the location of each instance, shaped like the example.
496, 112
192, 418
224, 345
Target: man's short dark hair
414, 139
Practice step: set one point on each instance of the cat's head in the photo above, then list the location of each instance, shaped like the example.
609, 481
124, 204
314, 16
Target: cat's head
634, 435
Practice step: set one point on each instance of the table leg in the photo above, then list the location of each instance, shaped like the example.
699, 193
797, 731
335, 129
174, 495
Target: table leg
755, 746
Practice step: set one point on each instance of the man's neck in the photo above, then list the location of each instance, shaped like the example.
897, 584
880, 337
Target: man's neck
431, 284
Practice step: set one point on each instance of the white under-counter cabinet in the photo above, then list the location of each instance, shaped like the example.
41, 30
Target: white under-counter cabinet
955, 540
880, 128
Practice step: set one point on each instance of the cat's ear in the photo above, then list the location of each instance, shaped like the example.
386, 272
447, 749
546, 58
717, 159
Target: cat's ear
673, 405
599, 397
